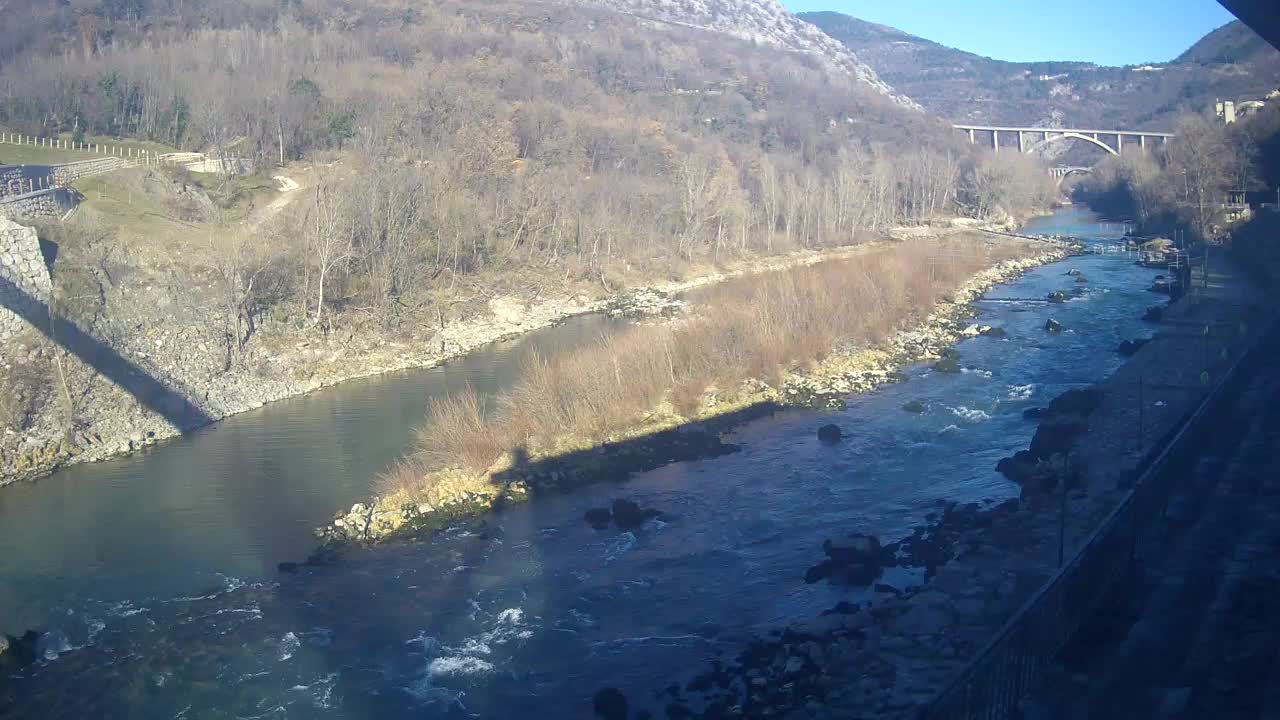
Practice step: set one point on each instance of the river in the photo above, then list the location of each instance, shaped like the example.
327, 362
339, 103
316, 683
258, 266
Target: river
156, 574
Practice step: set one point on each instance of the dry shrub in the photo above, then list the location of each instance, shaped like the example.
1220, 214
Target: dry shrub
759, 327
459, 431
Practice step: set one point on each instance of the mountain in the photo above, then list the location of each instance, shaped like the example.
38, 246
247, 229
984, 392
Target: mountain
762, 21
1231, 63
63, 25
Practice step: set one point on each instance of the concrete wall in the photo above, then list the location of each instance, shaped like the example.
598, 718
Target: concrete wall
21, 264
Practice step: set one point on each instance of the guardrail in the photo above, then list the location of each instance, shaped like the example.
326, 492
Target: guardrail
993, 684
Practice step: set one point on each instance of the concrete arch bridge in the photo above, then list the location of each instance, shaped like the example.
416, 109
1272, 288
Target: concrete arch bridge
1032, 139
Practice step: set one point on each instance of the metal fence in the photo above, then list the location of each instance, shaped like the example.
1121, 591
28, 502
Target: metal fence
991, 686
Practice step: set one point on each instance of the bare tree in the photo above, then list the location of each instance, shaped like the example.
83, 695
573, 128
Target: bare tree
329, 237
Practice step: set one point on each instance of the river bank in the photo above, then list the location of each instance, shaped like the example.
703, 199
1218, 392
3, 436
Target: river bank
287, 361
888, 657
454, 492
530, 610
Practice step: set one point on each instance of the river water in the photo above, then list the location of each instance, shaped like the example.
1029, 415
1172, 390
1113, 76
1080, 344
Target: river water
156, 574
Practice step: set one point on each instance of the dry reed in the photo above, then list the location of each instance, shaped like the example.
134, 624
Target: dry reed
753, 328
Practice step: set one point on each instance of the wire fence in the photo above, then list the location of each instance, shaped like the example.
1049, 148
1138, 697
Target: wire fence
1013, 663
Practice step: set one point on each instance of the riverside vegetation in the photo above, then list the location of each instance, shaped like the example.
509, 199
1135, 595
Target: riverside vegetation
785, 338
467, 171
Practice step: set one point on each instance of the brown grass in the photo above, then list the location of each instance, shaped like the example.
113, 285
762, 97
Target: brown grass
754, 328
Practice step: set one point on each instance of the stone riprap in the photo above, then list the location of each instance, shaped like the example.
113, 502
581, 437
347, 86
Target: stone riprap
22, 265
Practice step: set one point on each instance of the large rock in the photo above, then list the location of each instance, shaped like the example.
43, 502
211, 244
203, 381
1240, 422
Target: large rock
18, 652
947, 365
830, 434
1079, 401
629, 515
1052, 326
598, 518
857, 560
610, 704
1129, 348
1056, 434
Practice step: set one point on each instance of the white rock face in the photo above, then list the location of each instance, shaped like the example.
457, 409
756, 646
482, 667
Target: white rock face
763, 21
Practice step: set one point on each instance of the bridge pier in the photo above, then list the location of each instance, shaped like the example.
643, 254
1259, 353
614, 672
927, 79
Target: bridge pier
995, 140
1022, 144
1119, 144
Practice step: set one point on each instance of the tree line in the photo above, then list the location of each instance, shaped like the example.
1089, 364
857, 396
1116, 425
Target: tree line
1190, 183
458, 140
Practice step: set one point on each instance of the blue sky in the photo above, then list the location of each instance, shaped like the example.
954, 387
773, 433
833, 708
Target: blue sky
1107, 32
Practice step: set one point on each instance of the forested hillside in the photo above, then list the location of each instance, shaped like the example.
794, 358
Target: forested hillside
457, 162
487, 134
1231, 63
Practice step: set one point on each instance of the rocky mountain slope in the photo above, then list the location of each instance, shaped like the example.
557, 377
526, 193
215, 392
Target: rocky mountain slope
762, 21
1231, 63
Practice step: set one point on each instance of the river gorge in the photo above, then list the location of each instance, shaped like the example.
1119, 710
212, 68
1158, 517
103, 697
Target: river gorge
154, 576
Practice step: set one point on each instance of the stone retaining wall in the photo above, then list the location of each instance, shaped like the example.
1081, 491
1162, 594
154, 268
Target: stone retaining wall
71, 172
50, 203
22, 264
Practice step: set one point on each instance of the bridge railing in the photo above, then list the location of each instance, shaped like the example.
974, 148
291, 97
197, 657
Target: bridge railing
1014, 662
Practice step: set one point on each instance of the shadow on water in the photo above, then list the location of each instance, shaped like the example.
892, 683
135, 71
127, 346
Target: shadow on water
382, 632
528, 611
149, 391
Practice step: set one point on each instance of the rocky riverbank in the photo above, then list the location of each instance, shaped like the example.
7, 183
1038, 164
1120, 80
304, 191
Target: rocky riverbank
887, 657
162, 330
847, 371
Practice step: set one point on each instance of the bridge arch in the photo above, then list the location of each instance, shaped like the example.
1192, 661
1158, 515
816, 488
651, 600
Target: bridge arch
1073, 136
1062, 173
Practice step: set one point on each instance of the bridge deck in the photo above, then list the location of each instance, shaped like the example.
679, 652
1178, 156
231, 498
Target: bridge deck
997, 128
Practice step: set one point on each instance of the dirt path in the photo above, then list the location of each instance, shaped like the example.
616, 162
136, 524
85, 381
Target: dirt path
288, 192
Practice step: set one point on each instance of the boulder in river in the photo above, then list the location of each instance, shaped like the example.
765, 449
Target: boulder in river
915, 406
1129, 348
830, 434
1056, 433
1081, 280
1075, 272
994, 332
1052, 326
598, 518
610, 704
628, 515
1056, 297
1154, 314
947, 365
857, 561
1078, 401
18, 652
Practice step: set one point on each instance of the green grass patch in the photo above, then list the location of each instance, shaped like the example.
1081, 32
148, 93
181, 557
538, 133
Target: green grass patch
117, 199
238, 194
41, 155
36, 155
